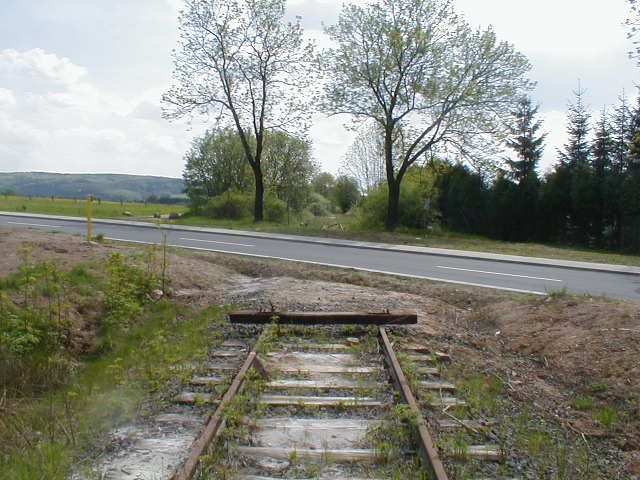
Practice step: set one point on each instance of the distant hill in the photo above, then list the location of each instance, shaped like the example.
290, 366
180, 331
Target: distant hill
105, 186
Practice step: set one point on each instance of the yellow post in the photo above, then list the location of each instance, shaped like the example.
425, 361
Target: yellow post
89, 218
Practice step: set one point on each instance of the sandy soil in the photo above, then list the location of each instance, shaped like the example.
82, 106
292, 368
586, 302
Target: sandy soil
547, 350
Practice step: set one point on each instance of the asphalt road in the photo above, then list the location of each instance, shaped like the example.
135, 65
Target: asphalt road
536, 279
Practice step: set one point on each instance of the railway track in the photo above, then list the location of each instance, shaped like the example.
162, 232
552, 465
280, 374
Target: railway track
333, 402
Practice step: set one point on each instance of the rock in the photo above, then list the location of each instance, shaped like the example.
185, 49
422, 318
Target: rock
127, 214
157, 294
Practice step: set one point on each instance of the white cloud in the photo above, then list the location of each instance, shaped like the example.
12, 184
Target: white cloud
37, 64
53, 118
6, 98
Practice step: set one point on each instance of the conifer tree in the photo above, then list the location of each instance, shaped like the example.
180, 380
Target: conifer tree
603, 149
577, 152
621, 124
526, 140
633, 160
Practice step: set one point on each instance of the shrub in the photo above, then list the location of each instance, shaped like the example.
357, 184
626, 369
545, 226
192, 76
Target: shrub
319, 205
126, 291
412, 213
275, 209
231, 204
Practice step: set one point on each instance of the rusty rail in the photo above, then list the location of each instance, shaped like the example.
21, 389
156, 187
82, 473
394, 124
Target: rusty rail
324, 318
427, 448
216, 421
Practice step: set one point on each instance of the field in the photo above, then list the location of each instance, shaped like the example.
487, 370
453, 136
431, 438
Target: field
77, 207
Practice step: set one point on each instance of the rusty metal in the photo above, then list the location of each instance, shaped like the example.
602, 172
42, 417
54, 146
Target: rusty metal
324, 318
216, 421
427, 448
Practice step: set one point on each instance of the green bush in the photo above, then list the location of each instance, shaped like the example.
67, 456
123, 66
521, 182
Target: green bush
319, 205
275, 209
373, 210
126, 291
417, 186
231, 204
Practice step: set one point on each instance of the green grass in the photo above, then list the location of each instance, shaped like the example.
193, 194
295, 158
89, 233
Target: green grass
45, 436
324, 227
76, 207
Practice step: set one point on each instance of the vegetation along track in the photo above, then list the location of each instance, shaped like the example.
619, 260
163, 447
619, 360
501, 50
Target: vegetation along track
333, 402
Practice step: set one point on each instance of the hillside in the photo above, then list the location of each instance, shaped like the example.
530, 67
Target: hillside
104, 186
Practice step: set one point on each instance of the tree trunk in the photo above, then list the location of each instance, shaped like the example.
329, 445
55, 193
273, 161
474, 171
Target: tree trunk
258, 205
393, 204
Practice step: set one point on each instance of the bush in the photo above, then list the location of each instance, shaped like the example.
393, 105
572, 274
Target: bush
275, 209
345, 193
412, 214
231, 204
319, 205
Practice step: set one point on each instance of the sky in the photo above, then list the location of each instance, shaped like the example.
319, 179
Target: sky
81, 80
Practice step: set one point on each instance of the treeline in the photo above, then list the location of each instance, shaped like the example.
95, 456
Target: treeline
590, 198
437, 95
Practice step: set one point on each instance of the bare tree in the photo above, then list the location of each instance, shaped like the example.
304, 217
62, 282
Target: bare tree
424, 76
364, 161
239, 60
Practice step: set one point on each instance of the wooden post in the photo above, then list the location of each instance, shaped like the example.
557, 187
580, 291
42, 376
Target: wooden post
89, 217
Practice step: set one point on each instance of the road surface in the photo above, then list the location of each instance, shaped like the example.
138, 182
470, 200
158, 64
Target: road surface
534, 279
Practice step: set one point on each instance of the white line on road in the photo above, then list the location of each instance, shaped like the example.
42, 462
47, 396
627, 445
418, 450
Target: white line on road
498, 273
215, 241
33, 224
533, 292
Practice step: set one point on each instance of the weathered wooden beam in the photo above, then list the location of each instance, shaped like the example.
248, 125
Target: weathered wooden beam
324, 318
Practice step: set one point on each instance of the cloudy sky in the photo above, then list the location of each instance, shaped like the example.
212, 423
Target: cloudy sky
81, 80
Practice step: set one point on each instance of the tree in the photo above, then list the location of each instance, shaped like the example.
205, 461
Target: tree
525, 140
239, 60
214, 164
364, 161
424, 76
621, 125
323, 184
345, 193
577, 152
603, 149
633, 26
288, 168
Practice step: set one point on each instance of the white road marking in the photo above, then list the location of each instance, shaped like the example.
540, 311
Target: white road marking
350, 267
498, 273
215, 241
34, 224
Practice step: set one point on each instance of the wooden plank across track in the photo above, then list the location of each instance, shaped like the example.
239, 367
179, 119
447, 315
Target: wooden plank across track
324, 318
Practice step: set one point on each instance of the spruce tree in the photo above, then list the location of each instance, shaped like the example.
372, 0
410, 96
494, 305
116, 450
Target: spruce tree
525, 140
576, 151
621, 125
604, 146
633, 159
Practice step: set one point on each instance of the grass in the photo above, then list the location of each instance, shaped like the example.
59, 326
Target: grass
44, 435
337, 226
76, 207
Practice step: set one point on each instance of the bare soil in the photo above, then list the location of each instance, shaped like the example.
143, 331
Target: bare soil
547, 350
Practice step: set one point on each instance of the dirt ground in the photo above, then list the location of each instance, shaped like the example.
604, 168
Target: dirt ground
547, 350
